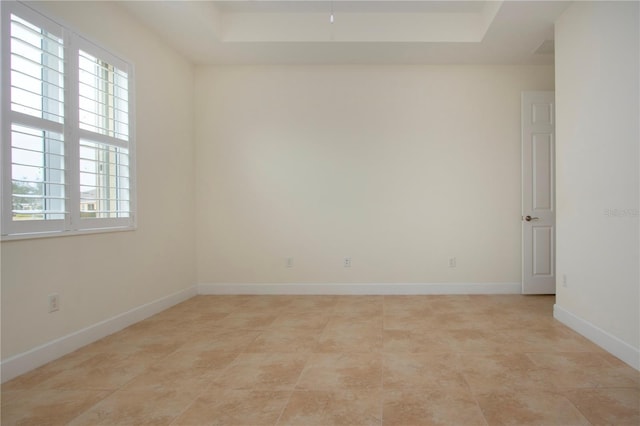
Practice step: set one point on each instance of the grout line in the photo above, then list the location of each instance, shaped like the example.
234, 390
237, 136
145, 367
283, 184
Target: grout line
474, 396
186, 408
295, 386
204, 389
575, 406
91, 407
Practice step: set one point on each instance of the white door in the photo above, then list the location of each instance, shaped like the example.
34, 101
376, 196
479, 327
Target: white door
538, 193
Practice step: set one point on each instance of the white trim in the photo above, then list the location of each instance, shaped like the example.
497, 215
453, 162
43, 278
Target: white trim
72, 224
600, 337
40, 355
360, 288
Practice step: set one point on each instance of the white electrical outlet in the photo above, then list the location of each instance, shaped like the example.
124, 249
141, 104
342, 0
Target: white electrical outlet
347, 262
564, 280
54, 302
452, 262
289, 262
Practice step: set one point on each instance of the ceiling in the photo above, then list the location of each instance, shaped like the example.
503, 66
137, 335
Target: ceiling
363, 32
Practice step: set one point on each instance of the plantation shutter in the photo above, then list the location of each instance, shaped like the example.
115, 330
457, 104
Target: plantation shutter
35, 161
103, 98
67, 142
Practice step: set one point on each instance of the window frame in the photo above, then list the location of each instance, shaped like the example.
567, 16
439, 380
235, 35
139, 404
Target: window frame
73, 43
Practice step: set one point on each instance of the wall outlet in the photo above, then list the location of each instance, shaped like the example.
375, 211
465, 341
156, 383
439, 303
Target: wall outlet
452, 262
564, 281
289, 262
54, 302
347, 262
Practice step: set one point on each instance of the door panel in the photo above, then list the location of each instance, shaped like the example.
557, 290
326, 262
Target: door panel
542, 159
538, 193
542, 251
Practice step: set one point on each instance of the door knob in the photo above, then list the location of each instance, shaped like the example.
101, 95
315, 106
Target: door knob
529, 218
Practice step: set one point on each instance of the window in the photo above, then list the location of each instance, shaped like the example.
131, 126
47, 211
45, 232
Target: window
67, 131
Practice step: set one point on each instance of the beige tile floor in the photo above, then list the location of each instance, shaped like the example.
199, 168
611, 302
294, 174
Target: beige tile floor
335, 360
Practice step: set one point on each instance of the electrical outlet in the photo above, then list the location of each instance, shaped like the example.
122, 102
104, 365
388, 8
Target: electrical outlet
452, 262
289, 262
564, 281
54, 302
347, 262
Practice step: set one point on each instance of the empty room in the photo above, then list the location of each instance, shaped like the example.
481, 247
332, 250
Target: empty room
320, 212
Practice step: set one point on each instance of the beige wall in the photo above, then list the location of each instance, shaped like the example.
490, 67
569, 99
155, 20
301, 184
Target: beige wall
99, 276
398, 167
597, 73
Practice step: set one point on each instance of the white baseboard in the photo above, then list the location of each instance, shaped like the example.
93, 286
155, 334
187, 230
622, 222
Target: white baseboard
33, 358
360, 288
605, 340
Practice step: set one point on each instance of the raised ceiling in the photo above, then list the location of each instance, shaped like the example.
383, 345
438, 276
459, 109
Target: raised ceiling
363, 32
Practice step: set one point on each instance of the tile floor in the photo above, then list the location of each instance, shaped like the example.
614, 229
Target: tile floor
335, 360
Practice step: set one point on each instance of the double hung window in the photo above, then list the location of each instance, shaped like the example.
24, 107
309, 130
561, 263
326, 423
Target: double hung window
67, 131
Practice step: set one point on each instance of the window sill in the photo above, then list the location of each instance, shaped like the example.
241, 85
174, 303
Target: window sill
58, 234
